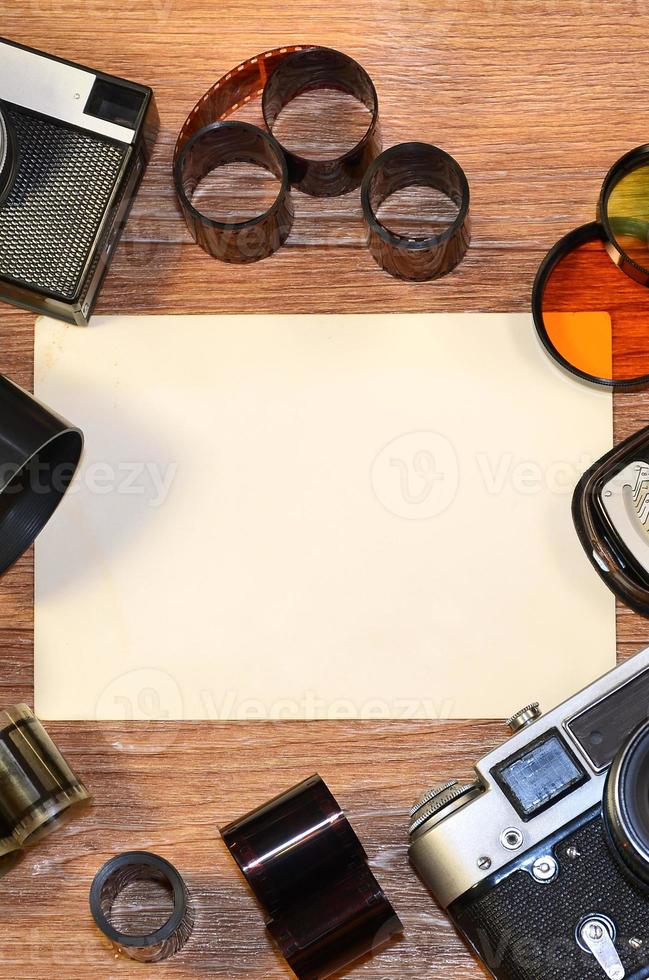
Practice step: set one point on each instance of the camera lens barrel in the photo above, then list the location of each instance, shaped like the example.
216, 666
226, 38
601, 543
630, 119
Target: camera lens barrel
8, 154
626, 805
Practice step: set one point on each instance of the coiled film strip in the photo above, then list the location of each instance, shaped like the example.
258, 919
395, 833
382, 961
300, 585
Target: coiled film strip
308, 868
139, 866
206, 141
416, 165
38, 789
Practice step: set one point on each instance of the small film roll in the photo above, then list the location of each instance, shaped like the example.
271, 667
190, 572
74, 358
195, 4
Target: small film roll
279, 76
127, 869
234, 240
590, 316
201, 147
308, 869
624, 213
416, 257
39, 455
324, 68
38, 789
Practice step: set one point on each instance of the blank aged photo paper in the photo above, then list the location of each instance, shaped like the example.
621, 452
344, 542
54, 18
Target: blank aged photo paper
352, 516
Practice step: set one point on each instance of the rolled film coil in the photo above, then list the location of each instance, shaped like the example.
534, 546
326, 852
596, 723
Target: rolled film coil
38, 789
234, 90
306, 866
118, 874
416, 257
324, 68
234, 240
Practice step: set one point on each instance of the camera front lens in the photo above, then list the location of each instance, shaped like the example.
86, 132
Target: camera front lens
626, 805
8, 154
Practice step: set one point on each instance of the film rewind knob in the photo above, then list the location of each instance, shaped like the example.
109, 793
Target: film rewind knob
530, 713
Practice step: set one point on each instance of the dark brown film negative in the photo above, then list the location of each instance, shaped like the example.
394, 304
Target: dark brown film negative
308, 869
324, 68
38, 789
233, 240
127, 869
416, 258
196, 153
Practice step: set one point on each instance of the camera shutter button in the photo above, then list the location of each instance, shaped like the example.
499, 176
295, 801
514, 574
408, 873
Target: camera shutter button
524, 717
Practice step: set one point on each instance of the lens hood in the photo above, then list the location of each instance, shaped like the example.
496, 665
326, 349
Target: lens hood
8, 154
39, 454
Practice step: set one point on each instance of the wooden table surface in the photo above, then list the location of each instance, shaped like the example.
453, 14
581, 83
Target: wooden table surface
536, 99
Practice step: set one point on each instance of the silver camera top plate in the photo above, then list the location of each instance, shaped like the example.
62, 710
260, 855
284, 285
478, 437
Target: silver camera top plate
458, 852
54, 88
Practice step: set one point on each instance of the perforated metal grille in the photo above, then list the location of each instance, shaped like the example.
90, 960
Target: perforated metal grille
51, 217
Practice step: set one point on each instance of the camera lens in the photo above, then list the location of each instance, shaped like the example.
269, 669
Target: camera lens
626, 805
8, 154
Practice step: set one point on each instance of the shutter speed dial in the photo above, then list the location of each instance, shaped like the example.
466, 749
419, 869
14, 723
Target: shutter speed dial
436, 804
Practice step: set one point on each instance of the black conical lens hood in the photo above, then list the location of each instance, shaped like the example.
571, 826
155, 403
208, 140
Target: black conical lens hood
39, 454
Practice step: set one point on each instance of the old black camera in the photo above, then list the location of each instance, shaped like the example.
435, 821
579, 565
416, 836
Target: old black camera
74, 144
543, 861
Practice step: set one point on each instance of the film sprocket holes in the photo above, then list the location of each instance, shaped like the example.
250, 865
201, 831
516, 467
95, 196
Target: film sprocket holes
543, 861
79, 141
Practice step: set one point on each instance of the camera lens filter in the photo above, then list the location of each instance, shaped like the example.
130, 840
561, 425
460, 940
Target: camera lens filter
590, 302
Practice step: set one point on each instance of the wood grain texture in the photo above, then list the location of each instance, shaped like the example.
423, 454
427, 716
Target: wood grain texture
535, 99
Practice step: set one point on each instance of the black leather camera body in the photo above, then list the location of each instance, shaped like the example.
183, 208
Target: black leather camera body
74, 145
542, 862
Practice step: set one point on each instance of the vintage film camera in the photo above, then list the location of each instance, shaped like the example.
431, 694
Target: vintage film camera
542, 863
74, 144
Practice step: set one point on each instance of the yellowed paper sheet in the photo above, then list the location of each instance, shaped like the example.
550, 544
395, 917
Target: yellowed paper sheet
317, 517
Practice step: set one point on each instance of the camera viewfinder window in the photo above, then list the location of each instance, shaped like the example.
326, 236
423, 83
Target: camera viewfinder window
114, 103
540, 775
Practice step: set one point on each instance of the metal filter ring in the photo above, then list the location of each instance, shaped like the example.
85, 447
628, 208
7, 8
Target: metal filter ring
635, 226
